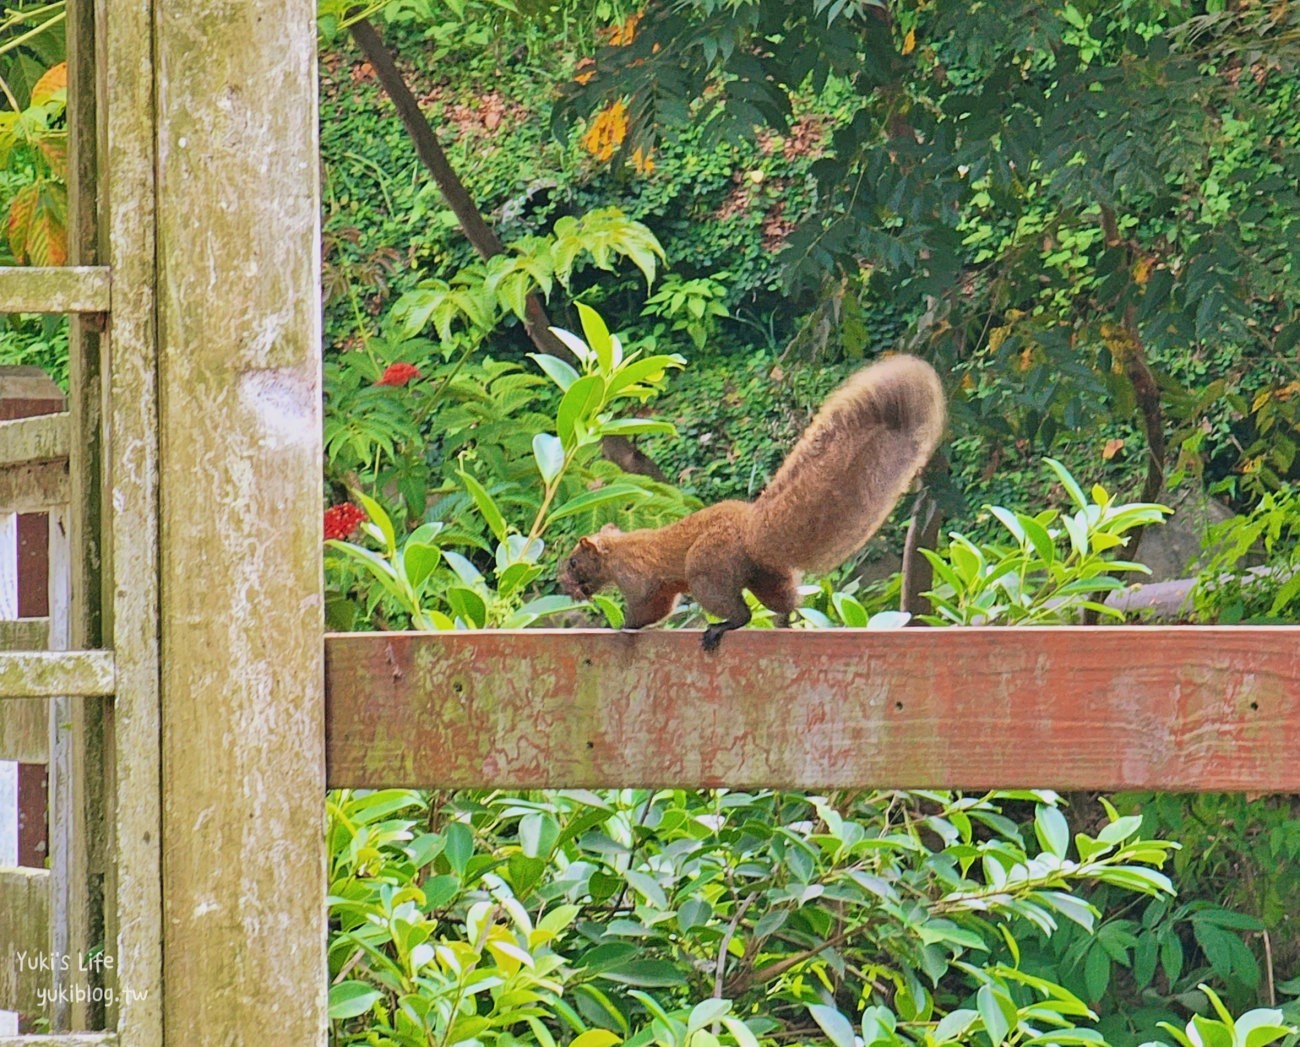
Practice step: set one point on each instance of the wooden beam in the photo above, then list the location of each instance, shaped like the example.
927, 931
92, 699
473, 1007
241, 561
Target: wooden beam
1173, 708
39, 439
49, 674
34, 487
25, 930
24, 634
55, 289
76, 1039
238, 307
128, 162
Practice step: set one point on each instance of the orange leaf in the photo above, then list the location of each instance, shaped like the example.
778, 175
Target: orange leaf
38, 225
1112, 448
54, 80
909, 42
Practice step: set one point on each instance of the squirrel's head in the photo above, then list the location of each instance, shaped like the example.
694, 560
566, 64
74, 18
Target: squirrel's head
583, 571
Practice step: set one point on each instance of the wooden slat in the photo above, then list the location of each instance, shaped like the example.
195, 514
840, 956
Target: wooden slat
55, 289
127, 179
40, 439
25, 731
77, 1039
1190, 708
25, 932
33, 487
24, 634
48, 674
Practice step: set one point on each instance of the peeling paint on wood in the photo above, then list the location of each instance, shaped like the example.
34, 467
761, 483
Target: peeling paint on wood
1172, 708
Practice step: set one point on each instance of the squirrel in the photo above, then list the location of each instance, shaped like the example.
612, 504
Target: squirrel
834, 490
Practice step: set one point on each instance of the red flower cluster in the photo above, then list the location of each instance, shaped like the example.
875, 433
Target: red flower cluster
398, 374
342, 520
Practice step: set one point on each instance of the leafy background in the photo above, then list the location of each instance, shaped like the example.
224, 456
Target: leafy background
1084, 213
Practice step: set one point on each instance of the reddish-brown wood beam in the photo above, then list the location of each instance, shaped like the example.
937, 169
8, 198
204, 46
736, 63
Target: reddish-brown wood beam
1173, 708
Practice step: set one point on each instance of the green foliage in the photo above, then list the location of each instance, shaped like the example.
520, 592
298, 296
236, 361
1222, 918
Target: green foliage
538, 472
693, 306
1252, 569
478, 296
36, 341
1252, 1029
1031, 580
1021, 186
685, 918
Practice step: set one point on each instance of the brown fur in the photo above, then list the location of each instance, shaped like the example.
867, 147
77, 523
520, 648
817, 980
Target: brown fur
834, 490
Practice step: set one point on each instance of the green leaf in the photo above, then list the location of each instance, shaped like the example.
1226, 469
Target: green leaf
616, 492
459, 846
993, 1007
851, 611
549, 453
491, 514
560, 372
465, 571
579, 407
581, 351
1096, 972
380, 519
538, 832
740, 1032
419, 561
1052, 830
1068, 482
838, 1029
636, 373
706, 1012
598, 338
516, 576
954, 1024
1120, 829
650, 974
1261, 1026
350, 999
468, 605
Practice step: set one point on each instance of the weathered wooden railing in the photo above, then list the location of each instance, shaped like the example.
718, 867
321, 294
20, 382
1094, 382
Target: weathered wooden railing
1158, 707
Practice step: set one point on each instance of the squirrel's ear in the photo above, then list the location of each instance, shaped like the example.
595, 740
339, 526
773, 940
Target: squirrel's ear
587, 542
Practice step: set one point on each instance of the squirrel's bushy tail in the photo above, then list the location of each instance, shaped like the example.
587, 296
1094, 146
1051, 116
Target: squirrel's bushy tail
850, 467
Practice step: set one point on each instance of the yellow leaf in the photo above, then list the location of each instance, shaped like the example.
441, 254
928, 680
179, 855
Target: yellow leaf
54, 80
595, 1038
1142, 270
909, 42
997, 336
607, 131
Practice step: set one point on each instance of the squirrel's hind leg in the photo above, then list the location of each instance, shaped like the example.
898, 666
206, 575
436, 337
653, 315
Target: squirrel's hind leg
717, 583
778, 591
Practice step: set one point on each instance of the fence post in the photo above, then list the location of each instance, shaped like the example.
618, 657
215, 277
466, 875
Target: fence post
240, 501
